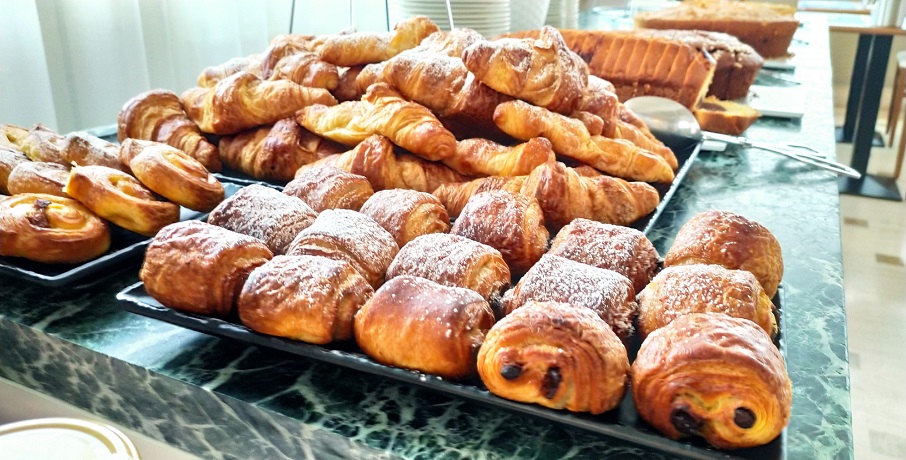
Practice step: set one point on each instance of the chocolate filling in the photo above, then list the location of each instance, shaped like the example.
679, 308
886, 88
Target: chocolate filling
551, 382
37, 217
511, 371
743, 417
684, 422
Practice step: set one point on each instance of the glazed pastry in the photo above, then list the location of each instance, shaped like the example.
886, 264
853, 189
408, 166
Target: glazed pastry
683, 289
121, 199
200, 268
327, 187
43, 145
484, 157
366, 47
710, 375
511, 223
266, 214
453, 260
729, 239
9, 159
349, 236
171, 173
624, 250
38, 177
158, 115
307, 298
84, 150
417, 324
50, 229
407, 214
557, 356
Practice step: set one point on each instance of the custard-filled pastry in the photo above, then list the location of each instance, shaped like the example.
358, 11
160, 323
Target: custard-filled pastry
729, 239
407, 214
327, 187
264, 213
84, 149
9, 159
307, 298
366, 47
557, 356
50, 229
43, 144
349, 236
121, 199
509, 222
555, 279
714, 376
417, 324
624, 250
200, 268
38, 177
683, 289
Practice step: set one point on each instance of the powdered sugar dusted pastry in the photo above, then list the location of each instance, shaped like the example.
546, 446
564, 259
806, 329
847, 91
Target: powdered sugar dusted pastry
407, 214
38, 177
327, 187
9, 159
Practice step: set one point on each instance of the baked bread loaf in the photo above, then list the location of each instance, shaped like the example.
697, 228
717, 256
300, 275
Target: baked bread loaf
407, 214
84, 149
366, 47
731, 240
38, 177
307, 298
200, 268
557, 356
710, 375
266, 214
327, 187
453, 260
684, 289
417, 324
44, 145
725, 117
349, 236
512, 223
50, 229
9, 159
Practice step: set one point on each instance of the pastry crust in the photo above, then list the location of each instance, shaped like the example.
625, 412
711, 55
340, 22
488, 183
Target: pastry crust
9, 159
11, 136
726, 117
84, 149
38, 177
366, 47
407, 214
200, 268
710, 375
557, 356
307, 298
50, 229
418, 324
484, 157
327, 187
42, 144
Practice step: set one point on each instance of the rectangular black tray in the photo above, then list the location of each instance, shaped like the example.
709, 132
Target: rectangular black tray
124, 246
622, 423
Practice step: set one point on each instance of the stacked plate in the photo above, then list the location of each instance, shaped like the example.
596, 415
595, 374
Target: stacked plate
488, 17
528, 14
563, 14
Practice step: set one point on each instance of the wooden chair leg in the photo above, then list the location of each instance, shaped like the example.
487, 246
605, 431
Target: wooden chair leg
899, 91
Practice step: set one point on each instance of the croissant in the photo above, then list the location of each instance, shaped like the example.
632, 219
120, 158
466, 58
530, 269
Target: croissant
9, 159
38, 177
599, 99
365, 47
210, 76
306, 69
557, 356
571, 139
710, 375
327, 187
382, 111
50, 229
543, 71
484, 157
454, 196
407, 214
347, 87
375, 159
283, 46
243, 100
449, 42
158, 116
619, 129
84, 150
43, 144
593, 123
275, 152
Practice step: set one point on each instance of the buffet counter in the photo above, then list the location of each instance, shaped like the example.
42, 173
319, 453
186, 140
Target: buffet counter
218, 398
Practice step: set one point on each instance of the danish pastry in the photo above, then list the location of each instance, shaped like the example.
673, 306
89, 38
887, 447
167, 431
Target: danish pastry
407, 214
9, 159
38, 177
11, 136
327, 187
43, 144
84, 149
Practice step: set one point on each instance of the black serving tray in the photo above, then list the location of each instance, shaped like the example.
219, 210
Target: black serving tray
622, 423
125, 245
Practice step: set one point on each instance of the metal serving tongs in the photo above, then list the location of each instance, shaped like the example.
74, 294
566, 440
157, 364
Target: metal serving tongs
793, 151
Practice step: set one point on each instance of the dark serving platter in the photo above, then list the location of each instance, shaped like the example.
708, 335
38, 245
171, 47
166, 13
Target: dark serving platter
124, 246
621, 423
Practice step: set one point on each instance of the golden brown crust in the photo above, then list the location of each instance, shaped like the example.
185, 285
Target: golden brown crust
367, 47
210, 76
484, 157
266, 214
327, 187
347, 88
509, 222
731, 240
9, 159
599, 99
84, 149
50, 229
11, 136
200, 268
42, 144
407, 214
38, 177
121, 199
557, 356
685, 289
307, 298
418, 324
455, 195
306, 69
726, 117
710, 375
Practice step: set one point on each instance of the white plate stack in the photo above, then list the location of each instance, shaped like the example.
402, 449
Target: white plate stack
563, 14
528, 14
488, 17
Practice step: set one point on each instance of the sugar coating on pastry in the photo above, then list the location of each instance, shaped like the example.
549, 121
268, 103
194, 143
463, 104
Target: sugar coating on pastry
407, 214
38, 177
327, 187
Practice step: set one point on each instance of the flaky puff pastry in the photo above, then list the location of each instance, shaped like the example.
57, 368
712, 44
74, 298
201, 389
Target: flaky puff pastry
484, 157
85, 149
509, 222
11, 136
365, 47
453, 260
711, 375
200, 268
9, 159
307, 298
684, 289
43, 144
50, 229
121, 199
173, 174
327, 187
38, 177
557, 356
732, 240
418, 324
407, 214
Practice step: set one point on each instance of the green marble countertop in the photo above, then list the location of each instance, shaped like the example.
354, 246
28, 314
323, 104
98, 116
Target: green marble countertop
221, 399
